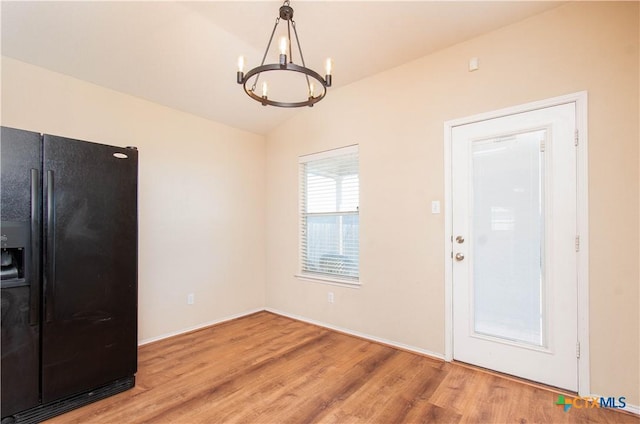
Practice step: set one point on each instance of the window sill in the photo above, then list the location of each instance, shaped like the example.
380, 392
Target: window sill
329, 280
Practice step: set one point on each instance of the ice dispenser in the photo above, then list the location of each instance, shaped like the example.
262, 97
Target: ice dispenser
14, 243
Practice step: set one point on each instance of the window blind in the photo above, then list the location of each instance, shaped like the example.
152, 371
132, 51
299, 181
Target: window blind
329, 215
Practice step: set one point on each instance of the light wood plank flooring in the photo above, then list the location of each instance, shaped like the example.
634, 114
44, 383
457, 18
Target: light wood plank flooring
265, 368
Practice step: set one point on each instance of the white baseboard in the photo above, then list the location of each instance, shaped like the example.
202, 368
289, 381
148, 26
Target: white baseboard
358, 334
634, 409
197, 327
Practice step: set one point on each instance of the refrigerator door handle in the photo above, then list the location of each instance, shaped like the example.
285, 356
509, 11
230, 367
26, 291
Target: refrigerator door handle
34, 236
50, 275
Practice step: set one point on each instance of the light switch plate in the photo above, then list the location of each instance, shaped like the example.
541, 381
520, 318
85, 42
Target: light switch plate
435, 206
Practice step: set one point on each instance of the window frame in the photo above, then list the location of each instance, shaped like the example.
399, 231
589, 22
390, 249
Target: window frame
320, 277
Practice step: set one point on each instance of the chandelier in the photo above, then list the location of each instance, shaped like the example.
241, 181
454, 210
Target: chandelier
312, 80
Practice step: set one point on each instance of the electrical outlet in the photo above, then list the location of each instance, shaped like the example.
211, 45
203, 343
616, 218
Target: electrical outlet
330, 297
191, 299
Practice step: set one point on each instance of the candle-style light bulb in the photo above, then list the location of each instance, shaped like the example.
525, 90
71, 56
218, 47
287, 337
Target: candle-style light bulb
283, 52
311, 89
264, 93
328, 68
240, 73
283, 45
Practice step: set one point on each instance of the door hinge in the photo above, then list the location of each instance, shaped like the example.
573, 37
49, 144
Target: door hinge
542, 146
578, 350
576, 138
577, 243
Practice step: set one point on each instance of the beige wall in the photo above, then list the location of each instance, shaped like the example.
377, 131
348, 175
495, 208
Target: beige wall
397, 119
201, 194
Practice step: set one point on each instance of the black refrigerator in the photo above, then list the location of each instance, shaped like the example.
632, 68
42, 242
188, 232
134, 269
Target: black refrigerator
69, 230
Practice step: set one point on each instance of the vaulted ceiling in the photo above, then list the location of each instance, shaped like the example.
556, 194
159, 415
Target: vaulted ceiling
184, 54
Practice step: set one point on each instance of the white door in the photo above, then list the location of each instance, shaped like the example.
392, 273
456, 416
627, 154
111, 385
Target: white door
514, 245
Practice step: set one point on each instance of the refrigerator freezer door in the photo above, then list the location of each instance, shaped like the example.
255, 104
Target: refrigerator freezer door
20, 282
90, 273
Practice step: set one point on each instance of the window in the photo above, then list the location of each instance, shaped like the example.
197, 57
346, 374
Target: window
329, 216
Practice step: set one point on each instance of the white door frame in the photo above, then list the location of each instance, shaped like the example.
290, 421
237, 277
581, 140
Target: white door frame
580, 99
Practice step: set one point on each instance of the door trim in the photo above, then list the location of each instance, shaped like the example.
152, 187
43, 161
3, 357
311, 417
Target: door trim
582, 222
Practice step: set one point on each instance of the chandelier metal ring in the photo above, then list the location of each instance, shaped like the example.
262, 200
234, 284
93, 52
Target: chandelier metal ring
287, 67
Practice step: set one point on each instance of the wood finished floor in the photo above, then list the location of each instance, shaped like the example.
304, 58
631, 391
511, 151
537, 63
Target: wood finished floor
265, 368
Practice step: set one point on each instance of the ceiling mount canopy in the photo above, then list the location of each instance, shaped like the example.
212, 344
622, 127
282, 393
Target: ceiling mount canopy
312, 79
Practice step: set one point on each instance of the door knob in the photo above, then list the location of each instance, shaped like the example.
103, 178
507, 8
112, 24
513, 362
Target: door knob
460, 239
459, 256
